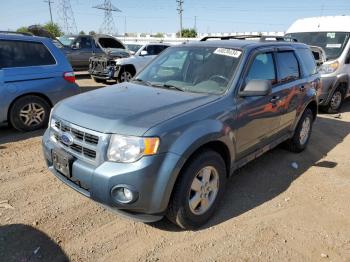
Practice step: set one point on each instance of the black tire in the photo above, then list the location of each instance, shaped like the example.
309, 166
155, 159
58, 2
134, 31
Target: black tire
98, 80
25, 104
179, 210
296, 144
335, 102
125, 75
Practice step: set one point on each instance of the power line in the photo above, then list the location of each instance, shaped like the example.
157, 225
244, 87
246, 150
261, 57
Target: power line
180, 11
50, 2
66, 15
108, 25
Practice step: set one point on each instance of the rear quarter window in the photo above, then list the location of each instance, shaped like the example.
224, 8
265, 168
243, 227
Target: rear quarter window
308, 61
23, 54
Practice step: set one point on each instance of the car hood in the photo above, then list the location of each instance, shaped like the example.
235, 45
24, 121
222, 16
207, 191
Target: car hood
127, 108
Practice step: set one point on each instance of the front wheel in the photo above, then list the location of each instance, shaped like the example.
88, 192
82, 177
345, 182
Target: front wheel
198, 190
125, 76
335, 102
302, 132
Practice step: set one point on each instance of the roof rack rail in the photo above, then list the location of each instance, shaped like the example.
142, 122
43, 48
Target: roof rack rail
15, 33
245, 37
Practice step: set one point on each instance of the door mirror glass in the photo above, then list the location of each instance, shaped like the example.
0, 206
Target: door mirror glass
143, 53
257, 88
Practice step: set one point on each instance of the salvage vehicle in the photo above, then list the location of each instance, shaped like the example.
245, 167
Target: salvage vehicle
34, 76
79, 48
331, 33
104, 68
165, 143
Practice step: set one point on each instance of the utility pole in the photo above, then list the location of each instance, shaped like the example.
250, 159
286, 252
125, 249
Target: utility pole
195, 23
50, 2
180, 10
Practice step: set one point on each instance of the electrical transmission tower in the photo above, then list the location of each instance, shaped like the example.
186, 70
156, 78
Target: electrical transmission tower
180, 10
108, 26
66, 17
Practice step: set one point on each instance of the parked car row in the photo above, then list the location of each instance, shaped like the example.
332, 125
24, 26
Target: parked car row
164, 142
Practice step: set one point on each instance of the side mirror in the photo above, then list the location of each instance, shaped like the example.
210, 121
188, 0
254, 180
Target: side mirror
256, 88
75, 46
143, 53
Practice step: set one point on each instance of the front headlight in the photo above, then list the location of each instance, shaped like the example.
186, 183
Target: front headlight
329, 68
126, 149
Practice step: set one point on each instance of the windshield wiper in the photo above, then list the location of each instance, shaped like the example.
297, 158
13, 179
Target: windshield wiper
168, 86
139, 80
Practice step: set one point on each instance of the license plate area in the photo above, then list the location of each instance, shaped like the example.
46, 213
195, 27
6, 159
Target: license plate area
62, 162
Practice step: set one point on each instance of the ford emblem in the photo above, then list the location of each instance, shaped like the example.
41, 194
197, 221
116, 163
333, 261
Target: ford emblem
67, 139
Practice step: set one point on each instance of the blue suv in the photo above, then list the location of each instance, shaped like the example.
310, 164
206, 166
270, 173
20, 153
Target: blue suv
34, 76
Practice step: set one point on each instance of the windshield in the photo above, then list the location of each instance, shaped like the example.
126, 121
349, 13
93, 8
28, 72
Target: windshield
192, 69
133, 47
66, 40
332, 43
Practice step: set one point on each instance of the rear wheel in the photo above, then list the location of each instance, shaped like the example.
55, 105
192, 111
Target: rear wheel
30, 113
302, 134
198, 190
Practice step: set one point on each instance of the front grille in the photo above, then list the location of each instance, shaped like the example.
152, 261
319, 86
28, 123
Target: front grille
84, 143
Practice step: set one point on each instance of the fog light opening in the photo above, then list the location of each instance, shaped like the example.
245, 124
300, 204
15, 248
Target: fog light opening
123, 194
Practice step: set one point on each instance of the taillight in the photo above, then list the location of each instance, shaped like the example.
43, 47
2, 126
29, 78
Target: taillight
69, 76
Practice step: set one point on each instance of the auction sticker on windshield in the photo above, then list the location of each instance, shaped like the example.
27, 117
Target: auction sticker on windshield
228, 52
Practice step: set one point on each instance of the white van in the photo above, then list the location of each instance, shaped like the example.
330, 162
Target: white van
331, 33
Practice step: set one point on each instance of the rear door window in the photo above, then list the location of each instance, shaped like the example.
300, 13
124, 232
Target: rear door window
288, 66
23, 54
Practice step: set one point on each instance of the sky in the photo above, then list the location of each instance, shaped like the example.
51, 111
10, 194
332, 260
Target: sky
152, 16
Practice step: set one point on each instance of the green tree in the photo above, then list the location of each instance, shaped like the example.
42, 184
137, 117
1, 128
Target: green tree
23, 29
159, 35
53, 28
92, 32
81, 32
188, 33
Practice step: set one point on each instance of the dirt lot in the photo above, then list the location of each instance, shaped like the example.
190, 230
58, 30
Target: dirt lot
271, 211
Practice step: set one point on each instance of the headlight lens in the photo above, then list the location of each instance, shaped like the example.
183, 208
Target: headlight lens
329, 68
128, 149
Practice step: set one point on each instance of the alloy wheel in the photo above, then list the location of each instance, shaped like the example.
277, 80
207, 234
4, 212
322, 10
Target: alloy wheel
32, 114
204, 190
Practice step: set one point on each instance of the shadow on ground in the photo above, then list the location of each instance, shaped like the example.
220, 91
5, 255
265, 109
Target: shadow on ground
24, 243
270, 175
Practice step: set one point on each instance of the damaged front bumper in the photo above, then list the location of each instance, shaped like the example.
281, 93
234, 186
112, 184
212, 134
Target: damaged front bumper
103, 68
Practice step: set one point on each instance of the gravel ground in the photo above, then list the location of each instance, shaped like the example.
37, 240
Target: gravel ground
271, 211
